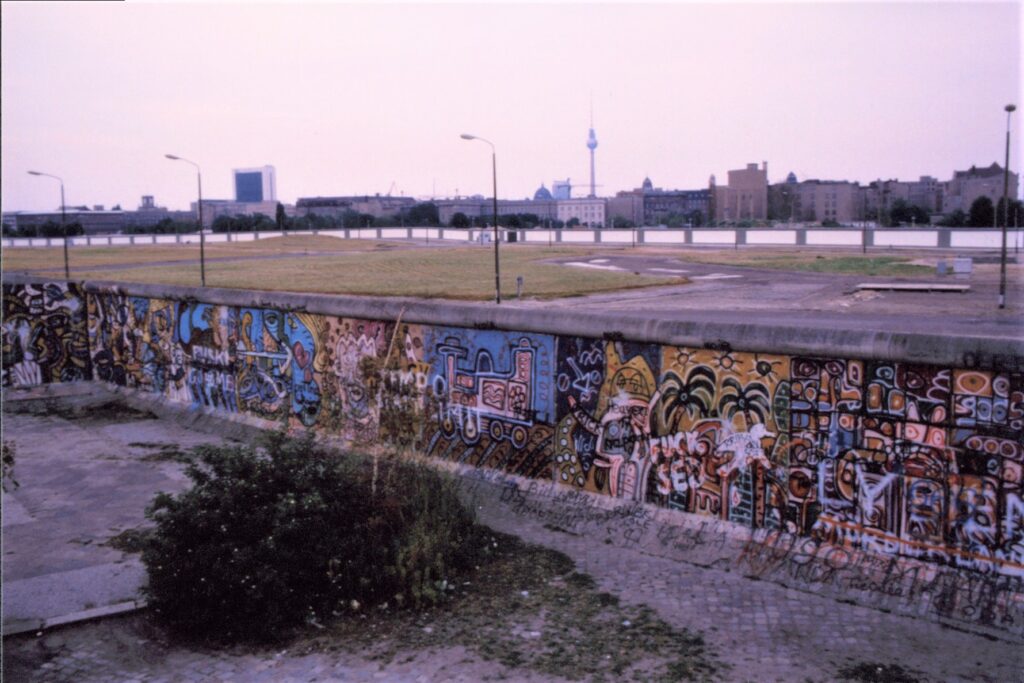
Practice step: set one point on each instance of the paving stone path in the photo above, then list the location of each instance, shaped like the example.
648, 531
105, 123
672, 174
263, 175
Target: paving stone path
763, 631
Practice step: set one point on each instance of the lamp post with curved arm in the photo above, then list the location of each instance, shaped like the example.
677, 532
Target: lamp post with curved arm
494, 173
202, 236
63, 221
1009, 109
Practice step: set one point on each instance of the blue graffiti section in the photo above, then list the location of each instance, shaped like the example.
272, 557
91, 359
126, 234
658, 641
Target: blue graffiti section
493, 398
276, 373
203, 333
305, 389
264, 367
491, 382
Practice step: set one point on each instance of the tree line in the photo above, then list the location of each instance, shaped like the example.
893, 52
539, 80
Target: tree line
50, 228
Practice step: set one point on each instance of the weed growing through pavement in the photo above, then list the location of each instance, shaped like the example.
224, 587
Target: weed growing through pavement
526, 608
130, 540
165, 452
871, 672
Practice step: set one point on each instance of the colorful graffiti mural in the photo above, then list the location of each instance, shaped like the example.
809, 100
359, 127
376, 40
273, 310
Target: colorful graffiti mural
492, 400
910, 460
45, 334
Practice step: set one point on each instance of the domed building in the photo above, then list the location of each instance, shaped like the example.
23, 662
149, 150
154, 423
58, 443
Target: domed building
647, 185
791, 178
542, 193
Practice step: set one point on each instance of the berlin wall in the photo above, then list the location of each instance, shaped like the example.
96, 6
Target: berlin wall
883, 465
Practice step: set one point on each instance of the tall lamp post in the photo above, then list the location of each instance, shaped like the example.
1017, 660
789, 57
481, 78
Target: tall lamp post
202, 236
494, 172
63, 221
1009, 109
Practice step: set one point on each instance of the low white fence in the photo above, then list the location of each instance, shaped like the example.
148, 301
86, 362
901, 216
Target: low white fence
952, 238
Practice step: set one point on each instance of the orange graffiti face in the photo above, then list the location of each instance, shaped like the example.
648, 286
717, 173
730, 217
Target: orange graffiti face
632, 382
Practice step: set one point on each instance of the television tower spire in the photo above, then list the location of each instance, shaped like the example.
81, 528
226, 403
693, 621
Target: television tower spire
592, 145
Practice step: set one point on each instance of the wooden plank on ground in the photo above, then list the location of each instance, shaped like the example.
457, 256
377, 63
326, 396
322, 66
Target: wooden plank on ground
913, 287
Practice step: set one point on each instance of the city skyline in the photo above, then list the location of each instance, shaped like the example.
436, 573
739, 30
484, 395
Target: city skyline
354, 99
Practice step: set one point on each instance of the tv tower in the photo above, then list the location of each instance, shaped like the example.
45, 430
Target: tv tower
592, 145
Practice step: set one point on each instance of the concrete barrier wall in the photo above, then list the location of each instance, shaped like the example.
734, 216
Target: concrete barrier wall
540, 236
714, 236
874, 455
663, 236
904, 238
771, 236
835, 238
578, 236
966, 238
617, 236
992, 239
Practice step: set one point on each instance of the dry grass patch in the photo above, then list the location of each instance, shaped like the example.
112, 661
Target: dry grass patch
91, 257
453, 273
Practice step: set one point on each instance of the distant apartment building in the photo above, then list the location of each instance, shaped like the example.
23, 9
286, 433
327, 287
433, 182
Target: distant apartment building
474, 207
377, 206
650, 205
149, 214
254, 185
588, 211
544, 209
745, 196
215, 208
926, 192
96, 221
966, 186
626, 206
812, 201
471, 207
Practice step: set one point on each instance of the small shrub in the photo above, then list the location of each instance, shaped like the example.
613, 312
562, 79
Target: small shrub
7, 480
289, 532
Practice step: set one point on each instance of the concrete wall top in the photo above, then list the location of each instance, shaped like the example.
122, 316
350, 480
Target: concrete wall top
824, 335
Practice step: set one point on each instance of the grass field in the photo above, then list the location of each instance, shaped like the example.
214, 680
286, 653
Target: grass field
451, 272
53, 257
375, 267
811, 261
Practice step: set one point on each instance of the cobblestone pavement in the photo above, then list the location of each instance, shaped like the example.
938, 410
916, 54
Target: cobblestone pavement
764, 631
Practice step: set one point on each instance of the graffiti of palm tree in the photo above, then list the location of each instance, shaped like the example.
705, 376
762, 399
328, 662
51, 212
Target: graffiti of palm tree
691, 398
751, 400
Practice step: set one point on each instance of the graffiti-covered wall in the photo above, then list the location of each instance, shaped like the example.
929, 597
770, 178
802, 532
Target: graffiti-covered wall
902, 459
45, 337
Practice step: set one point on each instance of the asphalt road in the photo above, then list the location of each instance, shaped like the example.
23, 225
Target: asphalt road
718, 293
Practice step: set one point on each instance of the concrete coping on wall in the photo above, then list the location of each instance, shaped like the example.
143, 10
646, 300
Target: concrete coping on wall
693, 329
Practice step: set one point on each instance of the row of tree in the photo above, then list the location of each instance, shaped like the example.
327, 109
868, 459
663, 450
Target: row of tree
424, 213
50, 228
982, 214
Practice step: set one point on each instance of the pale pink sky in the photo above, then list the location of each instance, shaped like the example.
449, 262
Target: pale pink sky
346, 99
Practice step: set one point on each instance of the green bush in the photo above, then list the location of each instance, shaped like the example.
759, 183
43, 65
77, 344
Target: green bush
270, 537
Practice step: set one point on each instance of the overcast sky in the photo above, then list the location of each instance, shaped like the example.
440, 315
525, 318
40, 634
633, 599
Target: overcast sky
350, 99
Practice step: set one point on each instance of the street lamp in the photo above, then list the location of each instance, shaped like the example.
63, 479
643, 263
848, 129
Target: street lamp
202, 236
1009, 109
494, 172
63, 222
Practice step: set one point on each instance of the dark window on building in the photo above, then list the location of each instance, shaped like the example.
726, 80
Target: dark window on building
249, 187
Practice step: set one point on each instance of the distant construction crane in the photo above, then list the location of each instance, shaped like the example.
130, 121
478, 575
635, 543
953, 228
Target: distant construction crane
391, 189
